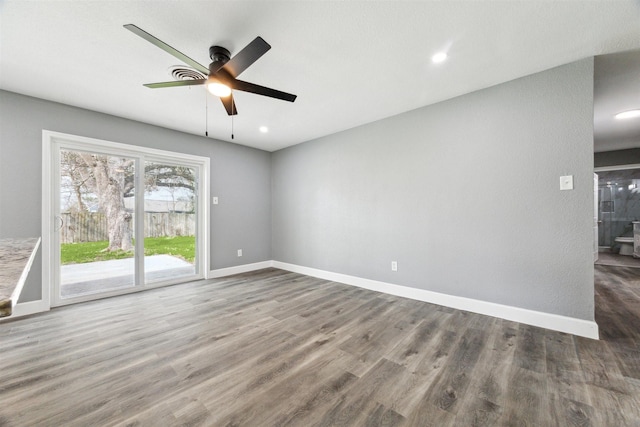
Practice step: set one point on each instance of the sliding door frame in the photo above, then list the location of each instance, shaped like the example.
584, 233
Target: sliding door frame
52, 143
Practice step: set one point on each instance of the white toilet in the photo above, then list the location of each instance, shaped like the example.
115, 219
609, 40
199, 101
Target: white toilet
626, 245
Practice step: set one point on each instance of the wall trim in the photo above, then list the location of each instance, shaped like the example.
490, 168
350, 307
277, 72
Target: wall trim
40, 306
26, 308
570, 325
15, 295
245, 268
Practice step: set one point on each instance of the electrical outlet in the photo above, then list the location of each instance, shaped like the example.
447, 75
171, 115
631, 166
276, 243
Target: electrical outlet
214, 200
394, 265
239, 252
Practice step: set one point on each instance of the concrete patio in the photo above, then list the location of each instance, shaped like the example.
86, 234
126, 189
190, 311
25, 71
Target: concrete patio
102, 276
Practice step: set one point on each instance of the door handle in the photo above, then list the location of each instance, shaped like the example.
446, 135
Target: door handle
61, 223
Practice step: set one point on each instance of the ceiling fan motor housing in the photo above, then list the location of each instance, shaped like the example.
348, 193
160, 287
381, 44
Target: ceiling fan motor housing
219, 56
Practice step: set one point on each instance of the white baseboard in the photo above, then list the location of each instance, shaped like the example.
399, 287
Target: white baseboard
554, 322
222, 272
15, 295
26, 308
32, 307
570, 325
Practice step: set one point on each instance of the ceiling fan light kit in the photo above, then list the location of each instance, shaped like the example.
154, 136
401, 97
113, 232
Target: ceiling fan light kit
218, 89
219, 56
222, 72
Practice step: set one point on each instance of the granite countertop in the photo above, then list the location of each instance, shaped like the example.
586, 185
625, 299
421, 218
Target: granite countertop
16, 256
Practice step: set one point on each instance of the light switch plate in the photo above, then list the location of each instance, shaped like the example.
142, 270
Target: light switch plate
566, 182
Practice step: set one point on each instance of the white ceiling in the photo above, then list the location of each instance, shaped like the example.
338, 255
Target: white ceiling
349, 62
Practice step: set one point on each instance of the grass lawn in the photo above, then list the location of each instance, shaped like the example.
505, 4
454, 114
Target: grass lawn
76, 253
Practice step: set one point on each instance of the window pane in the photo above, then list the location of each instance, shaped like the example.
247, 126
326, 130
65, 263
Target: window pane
170, 206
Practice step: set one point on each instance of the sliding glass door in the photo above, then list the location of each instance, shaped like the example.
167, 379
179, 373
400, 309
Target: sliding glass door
123, 219
96, 220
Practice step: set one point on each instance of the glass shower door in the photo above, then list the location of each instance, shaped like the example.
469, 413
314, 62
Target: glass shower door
606, 210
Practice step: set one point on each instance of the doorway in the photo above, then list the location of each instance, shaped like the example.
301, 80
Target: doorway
120, 218
618, 199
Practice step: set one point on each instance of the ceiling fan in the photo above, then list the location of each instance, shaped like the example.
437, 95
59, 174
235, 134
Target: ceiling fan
222, 72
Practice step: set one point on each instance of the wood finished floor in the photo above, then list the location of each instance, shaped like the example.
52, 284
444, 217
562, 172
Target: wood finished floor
273, 348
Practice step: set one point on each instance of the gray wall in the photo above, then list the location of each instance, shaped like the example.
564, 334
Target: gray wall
463, 194
240, 176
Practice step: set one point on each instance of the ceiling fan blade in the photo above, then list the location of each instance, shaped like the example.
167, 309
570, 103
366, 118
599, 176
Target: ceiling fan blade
176, 83
247, 56
170, 50
260, 90
229, 105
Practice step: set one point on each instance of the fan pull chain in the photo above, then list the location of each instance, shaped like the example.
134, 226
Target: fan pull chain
233, 104
206, 114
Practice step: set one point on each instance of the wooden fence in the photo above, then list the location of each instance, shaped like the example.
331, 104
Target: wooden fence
92, 226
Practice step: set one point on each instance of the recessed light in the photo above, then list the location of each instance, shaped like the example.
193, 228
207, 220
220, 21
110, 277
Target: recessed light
439, 57
264, 129
628, 114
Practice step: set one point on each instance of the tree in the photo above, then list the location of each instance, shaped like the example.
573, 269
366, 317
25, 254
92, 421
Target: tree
109, 178
110, 185
112, 179
172, 178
